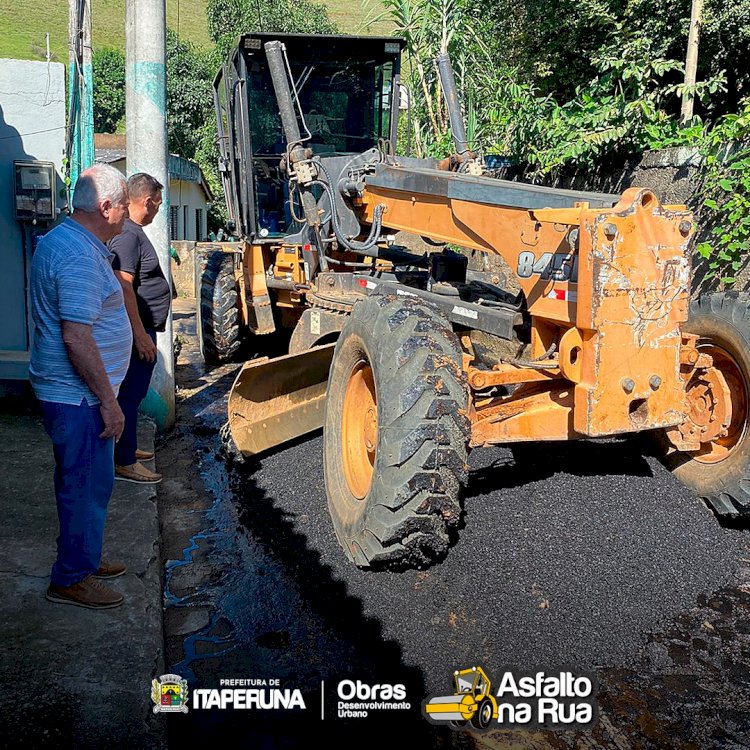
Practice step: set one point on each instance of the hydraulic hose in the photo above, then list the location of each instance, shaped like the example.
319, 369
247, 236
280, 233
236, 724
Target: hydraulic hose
362, 248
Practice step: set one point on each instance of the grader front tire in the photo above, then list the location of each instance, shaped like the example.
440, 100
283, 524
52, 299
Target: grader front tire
396, 434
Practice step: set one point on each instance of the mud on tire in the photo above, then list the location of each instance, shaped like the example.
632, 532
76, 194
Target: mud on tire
397, 383
218, 308
720, 472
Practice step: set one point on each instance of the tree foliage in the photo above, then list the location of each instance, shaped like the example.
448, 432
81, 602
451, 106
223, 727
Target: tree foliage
726, 194
227, 19
555, 88
570, 85
430, 27
189, 95
556, 47
109, 89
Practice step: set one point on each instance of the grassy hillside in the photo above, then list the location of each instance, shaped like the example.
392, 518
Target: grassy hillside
24, 23
349, 15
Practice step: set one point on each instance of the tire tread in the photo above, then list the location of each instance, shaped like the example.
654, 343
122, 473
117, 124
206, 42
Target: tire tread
219, 314
414, 501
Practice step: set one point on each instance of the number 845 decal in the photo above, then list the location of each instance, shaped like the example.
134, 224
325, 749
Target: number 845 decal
555, 266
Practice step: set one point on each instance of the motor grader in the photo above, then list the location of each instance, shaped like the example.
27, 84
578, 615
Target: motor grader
410, 359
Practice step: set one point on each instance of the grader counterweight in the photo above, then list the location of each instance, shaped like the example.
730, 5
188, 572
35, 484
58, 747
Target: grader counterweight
432, 358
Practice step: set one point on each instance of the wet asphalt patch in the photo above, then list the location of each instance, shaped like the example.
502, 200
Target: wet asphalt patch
569, 555
585, 555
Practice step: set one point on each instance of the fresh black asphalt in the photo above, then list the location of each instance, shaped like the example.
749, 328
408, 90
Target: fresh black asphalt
570, 554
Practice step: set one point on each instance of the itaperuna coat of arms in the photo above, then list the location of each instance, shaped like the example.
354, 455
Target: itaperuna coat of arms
169, 693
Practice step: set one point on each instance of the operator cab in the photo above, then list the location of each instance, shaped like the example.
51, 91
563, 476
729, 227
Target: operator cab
472, 683
345, 88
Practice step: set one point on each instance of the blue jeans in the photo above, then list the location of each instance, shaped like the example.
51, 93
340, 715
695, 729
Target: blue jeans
132, 391
84, 474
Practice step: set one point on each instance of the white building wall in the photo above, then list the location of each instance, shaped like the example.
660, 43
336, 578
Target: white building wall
185, 197
32, 127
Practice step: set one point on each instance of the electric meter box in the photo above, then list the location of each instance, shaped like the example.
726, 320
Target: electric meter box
34, 190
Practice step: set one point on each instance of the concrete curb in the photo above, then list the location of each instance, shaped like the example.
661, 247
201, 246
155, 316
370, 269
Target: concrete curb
73, 677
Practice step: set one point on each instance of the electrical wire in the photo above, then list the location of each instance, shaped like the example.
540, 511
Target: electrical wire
32, 132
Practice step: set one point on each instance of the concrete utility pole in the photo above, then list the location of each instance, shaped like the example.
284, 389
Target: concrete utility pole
146, 132
691, 61
80, 89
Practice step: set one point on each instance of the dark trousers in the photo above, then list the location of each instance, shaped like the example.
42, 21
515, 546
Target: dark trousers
84, 474
132, 391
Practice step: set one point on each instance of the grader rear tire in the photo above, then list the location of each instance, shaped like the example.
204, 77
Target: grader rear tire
396, 434
720, 471
219, 309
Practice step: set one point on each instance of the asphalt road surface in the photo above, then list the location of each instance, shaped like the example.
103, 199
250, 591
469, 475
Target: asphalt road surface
588, 556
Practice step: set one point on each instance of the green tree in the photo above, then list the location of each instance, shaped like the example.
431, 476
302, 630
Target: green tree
109, 89
227, 19
430, 27
551, 93
726, 195
556, 49
189, 95
190, 72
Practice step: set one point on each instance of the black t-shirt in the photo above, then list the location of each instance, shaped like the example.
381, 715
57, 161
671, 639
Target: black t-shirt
135, 254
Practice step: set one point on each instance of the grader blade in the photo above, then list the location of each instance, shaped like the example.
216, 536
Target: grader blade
274, 401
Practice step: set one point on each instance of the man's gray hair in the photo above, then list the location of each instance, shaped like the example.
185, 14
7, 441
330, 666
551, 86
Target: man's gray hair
96, 184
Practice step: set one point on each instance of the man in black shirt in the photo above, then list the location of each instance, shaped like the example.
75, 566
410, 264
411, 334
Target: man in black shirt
147, 299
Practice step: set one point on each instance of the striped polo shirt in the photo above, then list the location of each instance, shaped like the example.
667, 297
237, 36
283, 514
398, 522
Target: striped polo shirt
72, 279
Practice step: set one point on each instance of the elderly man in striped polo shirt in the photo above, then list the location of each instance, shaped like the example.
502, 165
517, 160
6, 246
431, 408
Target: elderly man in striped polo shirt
80, 354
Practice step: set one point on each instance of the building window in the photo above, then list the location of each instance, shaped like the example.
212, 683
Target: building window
173, 222
185, 223
199, 224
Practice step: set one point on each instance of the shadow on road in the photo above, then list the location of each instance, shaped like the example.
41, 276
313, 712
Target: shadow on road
274, 608
575, 553
523, 463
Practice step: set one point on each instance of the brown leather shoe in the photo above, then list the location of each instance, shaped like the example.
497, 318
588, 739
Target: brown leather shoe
143, 455
110, 569
137, 473
89, 593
